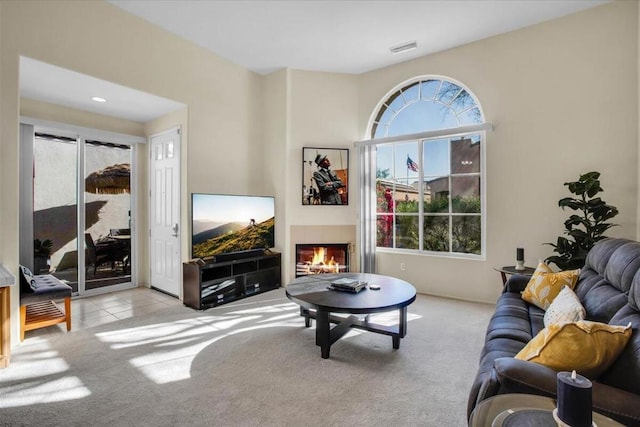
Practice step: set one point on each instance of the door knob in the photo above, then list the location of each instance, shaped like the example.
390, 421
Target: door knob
175, 230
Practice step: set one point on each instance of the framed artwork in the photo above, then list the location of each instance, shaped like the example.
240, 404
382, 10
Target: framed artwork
325, 176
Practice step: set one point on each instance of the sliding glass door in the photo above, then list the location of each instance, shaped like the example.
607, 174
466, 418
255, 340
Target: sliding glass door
107, 197
55, 207
88, 248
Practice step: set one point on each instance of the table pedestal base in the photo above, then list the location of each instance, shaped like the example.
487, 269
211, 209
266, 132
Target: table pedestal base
326, 336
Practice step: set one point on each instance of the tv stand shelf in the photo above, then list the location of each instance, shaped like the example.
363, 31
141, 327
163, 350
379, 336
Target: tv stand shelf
207, 285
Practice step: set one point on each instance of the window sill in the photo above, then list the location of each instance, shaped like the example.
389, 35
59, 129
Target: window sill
470, 257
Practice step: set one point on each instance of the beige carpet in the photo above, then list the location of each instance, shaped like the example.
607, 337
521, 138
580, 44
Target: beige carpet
252, 363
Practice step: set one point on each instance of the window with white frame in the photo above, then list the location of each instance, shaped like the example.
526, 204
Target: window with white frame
429, 149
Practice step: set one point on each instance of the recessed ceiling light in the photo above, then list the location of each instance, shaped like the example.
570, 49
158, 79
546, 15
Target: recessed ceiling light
98, 99
404, 47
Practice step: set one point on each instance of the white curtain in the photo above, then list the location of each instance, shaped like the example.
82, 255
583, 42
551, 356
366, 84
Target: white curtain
367, 182
26, 195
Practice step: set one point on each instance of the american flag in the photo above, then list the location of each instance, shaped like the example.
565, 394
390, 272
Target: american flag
411, 164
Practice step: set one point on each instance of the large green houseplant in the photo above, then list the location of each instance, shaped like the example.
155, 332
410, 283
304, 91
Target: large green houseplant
586, 227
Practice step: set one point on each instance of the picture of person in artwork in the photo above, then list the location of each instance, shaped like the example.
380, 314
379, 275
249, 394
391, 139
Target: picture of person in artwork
327, 181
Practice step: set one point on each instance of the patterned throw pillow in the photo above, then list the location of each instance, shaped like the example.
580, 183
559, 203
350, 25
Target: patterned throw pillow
27, 284
545, 285
565, 308
588, 347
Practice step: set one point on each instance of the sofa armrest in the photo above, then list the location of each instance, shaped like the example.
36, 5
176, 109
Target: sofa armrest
617, 404
516, 283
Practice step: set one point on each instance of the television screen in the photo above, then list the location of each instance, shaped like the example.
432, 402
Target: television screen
223, 223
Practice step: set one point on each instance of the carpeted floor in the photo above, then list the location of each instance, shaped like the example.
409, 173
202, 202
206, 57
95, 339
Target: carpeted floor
252, 363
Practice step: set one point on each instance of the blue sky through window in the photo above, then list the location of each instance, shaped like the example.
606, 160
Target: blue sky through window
426, 105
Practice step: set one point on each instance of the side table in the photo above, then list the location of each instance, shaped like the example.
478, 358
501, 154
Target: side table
516, 409
511, 269
7, 280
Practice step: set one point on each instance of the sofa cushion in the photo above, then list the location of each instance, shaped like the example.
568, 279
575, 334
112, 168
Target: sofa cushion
625, 373
600, 299
565, 308
544, 286
623, 265
588, 347
634, 292
514, 319
607, 278
599, 256
46, 287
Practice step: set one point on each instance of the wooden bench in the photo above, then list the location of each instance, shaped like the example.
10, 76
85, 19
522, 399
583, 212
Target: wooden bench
38, 296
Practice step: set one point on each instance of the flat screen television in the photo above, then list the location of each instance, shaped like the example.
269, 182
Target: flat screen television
225, 224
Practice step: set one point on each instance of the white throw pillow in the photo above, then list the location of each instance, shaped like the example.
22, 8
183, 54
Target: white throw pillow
565, 308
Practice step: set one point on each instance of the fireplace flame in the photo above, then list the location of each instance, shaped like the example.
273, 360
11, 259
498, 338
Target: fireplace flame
334, 266
317, 263
321, 259
318, 256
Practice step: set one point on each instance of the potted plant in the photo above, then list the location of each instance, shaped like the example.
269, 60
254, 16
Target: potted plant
41, 255
584, 228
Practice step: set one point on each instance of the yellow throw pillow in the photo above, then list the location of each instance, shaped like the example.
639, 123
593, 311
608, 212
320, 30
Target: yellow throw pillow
588, 347
545, 285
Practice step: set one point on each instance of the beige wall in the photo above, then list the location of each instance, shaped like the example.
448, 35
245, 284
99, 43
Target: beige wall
308, 109
323, 113
275, 142
558, 95
638, 118
100, 40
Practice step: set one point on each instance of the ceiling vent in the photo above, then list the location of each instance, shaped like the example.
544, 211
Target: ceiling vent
404, 47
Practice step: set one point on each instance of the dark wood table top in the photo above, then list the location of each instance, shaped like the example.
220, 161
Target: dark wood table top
312, 292
511, 269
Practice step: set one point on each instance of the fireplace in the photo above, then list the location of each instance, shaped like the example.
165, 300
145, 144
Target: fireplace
318, 258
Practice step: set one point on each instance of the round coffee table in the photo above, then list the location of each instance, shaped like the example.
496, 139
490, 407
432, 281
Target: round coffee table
317, 301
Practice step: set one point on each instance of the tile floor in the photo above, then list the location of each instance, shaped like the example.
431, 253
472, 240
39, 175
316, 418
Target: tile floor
101, 309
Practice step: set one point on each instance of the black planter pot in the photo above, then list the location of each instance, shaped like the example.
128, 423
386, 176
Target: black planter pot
40, 265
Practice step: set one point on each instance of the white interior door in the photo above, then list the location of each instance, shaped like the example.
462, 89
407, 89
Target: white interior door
164, 250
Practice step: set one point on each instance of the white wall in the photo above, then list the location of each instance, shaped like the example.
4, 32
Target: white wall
562, 96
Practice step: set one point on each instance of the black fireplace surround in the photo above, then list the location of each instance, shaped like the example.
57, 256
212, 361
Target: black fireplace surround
319, 258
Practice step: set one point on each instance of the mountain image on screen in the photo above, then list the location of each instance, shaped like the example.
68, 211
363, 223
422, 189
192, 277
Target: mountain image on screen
234, 237
218, 230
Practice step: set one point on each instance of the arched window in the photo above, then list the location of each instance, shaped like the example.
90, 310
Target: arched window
424, 105
427, 151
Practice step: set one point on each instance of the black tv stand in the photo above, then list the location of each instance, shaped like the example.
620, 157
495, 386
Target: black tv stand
234, 256
207, 284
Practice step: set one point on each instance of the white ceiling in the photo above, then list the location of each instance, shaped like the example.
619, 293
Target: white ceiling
340, 36
265, 35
